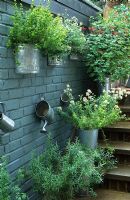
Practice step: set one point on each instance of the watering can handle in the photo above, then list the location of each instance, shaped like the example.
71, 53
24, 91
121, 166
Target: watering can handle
3, 107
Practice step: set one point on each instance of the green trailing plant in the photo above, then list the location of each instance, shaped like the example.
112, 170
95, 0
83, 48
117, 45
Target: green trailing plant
108, 45
39, 27
8, 190
75, 38
91, 112
59, 175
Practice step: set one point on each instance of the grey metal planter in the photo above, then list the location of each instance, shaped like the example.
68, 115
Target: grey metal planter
54, 60
27, 59
74, 56
89, 137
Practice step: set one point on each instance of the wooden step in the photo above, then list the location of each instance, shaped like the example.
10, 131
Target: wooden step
103, 194
125, 108
119, 146
123, 126
121, 173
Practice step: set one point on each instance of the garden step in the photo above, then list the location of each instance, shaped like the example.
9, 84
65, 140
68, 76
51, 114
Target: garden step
103, 194
120, 126
122, 173
125, 108
119, 146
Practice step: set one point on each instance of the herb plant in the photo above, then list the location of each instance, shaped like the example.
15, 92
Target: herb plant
8, 190
38, 26
91, 112
60, 176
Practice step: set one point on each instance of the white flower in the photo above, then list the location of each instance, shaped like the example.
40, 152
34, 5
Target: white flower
71, 102
84, 99
89, 91
87, 94
68, 86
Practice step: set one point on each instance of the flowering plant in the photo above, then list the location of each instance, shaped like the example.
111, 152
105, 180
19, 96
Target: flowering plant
75, 38
108, 46
91, 112
119, 93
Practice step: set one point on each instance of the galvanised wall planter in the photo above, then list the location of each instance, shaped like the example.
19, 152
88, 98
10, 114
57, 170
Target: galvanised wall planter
54, 60
89, 137
27, 59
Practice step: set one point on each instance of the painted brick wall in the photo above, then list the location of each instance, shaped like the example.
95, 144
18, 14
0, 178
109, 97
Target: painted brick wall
20, 93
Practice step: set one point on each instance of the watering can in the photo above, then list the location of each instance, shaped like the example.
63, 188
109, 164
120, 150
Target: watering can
6, 124
45, 113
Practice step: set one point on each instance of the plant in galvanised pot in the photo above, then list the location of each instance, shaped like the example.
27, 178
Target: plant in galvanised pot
33, 30
75, 38
59, 175
108, 46
66, 96
90, 113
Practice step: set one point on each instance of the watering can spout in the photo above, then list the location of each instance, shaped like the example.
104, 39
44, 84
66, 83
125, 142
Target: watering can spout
43, 128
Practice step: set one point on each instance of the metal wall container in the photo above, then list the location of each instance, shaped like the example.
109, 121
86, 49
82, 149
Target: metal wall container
27, 59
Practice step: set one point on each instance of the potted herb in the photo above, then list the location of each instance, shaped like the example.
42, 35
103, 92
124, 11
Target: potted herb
59, 175
90, 113
107, 46
66, 97
33, 30
75, 38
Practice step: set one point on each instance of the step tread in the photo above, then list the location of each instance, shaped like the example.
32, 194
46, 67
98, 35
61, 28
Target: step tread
121, 125
103, 194
112, 195
122, 172
122, 147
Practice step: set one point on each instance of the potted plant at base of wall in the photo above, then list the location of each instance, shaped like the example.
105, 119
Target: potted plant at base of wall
91, 113
76, 38
33, 30
107, 46
59, 175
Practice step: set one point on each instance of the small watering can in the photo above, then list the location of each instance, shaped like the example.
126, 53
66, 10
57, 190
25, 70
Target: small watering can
6, 124
45, 113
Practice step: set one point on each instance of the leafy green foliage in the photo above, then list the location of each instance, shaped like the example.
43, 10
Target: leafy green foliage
60, 176
108, 46
91, 112
38, 26
75, 38
9, 191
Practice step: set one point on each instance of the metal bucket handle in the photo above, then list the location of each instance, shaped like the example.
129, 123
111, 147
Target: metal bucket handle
3, 107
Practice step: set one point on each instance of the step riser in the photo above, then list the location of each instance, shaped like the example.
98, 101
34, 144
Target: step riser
123, 186
122, 136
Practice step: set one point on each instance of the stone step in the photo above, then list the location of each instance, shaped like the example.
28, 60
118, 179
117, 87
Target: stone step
125, 108
122, 126
121, 173
103, 194
119, 146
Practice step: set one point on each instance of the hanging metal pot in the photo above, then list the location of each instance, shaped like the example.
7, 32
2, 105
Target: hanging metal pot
64, 99
45, 113
54, 60
27, 59
6, 124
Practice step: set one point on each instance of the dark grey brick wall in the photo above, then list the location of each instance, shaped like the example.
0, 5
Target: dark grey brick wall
20, 93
